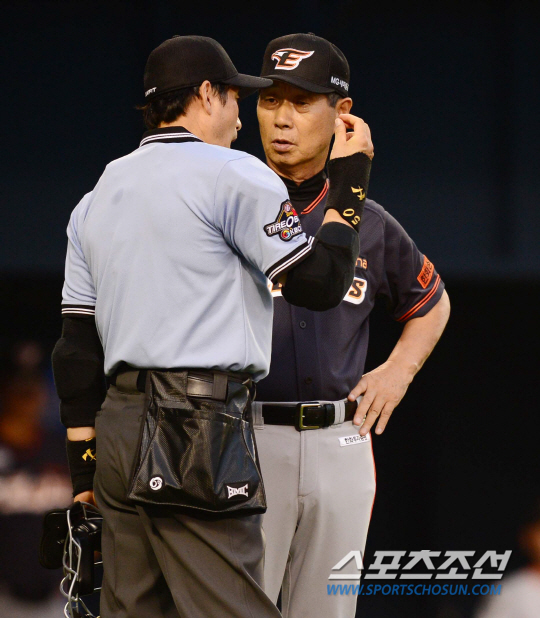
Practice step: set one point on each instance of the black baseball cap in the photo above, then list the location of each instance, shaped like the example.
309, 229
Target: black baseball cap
185, 61
308, 62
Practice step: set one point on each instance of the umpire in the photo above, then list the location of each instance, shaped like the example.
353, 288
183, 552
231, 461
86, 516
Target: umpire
166, 302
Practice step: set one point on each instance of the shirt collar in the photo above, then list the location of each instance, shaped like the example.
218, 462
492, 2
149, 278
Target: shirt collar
308, 194
168, 134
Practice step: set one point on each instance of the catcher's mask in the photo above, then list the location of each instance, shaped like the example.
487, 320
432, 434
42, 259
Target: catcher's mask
70, 539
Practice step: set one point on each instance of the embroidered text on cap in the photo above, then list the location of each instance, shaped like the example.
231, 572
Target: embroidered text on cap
337, 81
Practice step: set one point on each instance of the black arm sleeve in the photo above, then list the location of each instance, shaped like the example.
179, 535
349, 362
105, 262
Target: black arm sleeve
321, 281
349, 180
77, 361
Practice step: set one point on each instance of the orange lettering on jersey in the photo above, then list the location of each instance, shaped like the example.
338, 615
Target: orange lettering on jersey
357, 288
361, 263
426, 273
357, 291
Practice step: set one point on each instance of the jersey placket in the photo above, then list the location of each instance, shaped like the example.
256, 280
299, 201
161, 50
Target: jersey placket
306, 353
303, 322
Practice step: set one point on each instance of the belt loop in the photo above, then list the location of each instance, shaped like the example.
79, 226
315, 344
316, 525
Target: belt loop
142, 380
127, 381
339, 407
219, 387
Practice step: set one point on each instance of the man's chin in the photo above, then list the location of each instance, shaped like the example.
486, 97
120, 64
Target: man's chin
233, 139
283, 159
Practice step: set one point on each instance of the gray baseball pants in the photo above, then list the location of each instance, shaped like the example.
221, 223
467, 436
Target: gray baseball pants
159, 563
320, 495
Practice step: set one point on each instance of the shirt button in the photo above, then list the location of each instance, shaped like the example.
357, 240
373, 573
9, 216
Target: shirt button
308, 380
303, 324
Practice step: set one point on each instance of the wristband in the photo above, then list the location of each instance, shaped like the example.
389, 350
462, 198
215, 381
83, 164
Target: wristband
81, 456
349, 179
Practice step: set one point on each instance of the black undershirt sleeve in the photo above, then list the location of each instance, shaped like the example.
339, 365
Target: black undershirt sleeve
79, 376
322, 279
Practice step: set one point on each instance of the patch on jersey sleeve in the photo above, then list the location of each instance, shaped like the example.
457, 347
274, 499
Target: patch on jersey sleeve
287, 223
426, 273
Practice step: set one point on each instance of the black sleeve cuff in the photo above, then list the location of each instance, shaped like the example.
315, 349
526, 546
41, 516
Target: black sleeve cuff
81, 456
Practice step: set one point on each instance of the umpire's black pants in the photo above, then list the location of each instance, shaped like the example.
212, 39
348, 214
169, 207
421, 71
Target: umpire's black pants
163, 564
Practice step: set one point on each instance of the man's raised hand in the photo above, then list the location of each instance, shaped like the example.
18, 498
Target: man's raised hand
349, 143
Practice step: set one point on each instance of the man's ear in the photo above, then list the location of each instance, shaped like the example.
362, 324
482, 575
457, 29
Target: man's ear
205, 92
344, 106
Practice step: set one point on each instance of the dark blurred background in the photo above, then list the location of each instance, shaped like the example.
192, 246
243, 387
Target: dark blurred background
451, 91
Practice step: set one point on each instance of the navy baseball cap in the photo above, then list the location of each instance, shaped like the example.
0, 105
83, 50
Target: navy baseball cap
185, 61
308, 62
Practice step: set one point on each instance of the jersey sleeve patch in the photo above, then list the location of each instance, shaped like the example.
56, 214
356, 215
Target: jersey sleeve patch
422, 302
287, 223
426, 274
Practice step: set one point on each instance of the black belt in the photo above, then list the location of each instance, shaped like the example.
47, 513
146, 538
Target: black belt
200, 382
306, 415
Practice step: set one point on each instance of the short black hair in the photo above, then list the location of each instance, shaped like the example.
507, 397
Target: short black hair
333, 98
170, 105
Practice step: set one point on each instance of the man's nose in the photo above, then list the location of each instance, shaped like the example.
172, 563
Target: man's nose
283, 118
238, 124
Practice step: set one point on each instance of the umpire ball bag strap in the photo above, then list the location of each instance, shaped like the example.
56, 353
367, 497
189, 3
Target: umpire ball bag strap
195, 453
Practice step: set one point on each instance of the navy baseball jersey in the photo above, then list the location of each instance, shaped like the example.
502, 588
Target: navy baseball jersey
168, 252
322, 355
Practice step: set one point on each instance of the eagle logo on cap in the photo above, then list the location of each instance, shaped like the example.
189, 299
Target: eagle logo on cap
289, 58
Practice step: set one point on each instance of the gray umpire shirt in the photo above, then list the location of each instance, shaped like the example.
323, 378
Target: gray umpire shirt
172, 250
